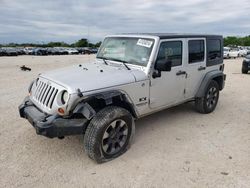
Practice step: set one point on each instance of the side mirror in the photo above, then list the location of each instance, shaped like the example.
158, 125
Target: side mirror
163, 65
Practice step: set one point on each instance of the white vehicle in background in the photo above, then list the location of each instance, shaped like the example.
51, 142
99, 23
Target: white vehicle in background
72, 51
242, 52
28, 50
226, 51
234, 53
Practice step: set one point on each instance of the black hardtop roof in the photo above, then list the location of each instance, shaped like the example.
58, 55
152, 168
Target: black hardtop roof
177, 35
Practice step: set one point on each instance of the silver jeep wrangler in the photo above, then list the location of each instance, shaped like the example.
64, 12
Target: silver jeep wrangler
134, 75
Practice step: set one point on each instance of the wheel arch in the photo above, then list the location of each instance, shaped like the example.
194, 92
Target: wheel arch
217, 76
96, 102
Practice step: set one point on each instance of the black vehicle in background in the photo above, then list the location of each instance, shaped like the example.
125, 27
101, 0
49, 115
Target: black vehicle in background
11, 52
40, 51
246, 65
2, 52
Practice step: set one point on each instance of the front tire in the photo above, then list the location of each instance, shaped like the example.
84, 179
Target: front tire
208, 103
109, 134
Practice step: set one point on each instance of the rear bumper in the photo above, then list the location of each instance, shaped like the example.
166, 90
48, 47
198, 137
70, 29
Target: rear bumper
51, 125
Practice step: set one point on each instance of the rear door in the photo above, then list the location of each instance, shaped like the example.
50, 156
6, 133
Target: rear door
195, 65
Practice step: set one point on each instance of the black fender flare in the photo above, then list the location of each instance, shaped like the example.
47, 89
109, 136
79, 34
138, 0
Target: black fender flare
88, 112
206, 80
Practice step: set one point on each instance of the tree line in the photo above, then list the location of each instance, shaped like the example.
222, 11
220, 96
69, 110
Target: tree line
237, 41
80, 43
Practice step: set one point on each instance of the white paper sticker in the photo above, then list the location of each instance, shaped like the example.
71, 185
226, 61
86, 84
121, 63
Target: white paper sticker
145, 43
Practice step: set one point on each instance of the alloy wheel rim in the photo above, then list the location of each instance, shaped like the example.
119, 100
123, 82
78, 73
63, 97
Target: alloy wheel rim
115, 137
212, 97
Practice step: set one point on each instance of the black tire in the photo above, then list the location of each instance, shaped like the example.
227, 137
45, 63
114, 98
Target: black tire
244, 71
208, 103
109, 134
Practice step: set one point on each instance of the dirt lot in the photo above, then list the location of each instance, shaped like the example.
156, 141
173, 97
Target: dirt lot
173, 148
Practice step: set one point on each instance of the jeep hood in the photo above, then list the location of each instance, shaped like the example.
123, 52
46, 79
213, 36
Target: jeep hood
93, 76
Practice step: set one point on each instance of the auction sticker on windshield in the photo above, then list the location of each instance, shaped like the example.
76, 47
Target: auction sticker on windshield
145, 43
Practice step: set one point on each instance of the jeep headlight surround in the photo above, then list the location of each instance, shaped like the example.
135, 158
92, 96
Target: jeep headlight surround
64, 96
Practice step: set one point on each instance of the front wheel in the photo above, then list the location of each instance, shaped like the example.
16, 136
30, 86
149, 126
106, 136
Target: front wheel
208, 103
109, 134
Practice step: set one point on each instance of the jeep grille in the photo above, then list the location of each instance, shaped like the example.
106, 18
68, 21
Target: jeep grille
45, 94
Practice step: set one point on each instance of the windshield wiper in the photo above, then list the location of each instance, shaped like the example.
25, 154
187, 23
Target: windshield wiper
123, 62
104, 60
113, 59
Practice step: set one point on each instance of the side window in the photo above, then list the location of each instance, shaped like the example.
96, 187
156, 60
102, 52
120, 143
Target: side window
214, 49
196, 51
171, 50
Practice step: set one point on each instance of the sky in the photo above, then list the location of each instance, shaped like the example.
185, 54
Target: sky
41, 21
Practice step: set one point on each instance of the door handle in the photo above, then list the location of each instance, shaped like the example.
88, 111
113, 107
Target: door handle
181, 73
201, 68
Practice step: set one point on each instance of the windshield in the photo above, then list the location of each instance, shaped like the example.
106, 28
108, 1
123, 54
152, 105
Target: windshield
129, 50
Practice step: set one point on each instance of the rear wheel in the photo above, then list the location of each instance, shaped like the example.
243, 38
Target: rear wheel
109, 134
208, 103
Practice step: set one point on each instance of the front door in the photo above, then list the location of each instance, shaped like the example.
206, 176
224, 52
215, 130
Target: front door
168, 89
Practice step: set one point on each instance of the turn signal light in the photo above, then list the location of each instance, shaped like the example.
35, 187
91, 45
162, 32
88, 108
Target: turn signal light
60, 111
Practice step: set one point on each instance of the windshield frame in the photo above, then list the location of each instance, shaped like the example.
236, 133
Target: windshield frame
144, 66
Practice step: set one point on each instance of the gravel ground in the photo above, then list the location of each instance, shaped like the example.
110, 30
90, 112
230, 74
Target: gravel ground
173, 148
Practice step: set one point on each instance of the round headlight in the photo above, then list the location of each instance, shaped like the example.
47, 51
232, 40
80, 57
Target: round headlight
65, 97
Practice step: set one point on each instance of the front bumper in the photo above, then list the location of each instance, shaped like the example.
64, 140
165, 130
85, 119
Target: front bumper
51, 125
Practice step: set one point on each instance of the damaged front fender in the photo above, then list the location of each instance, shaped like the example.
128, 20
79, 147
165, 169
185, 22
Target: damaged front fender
85, 109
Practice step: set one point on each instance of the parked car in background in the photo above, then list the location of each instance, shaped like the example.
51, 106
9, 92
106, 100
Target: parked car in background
242, 52
246, 65
20, 51
52, 51
61, 50
2, 52
11, 51
226, 51
86, 50
234, 53
248, 50
28, 50
94, 50
57, 51
72, 51
40, 51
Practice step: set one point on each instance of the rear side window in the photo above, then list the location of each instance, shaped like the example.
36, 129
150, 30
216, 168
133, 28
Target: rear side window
196, 51
214, 49
171, 50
